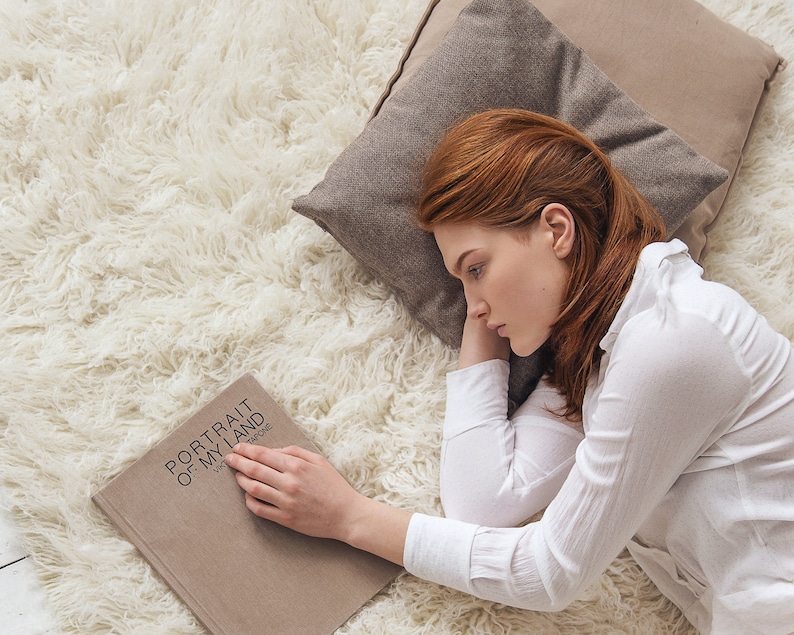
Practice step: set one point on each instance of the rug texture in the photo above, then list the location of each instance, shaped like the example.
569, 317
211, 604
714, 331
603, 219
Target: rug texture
149, 153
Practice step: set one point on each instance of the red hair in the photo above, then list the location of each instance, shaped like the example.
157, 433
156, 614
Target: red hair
499, 169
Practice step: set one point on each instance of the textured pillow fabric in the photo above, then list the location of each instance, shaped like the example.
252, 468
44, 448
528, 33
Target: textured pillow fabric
693, 72
498, 53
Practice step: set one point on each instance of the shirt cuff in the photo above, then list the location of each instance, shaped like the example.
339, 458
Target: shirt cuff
439, 550
475, 394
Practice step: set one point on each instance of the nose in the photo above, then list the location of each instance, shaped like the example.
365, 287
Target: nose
476, 308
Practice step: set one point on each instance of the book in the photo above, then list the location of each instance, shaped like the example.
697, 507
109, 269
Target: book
180, 505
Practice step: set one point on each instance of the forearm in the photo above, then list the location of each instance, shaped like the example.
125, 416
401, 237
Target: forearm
495, 471
477, 443
378, 528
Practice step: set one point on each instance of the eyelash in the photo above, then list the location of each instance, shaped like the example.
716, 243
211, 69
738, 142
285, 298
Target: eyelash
475, 271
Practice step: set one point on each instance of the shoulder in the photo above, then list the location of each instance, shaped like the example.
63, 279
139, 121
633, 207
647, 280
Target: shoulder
674, 309
683, 370
659, 334
682, 349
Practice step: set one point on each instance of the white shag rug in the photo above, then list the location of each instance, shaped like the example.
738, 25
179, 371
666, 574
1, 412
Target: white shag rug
149, 152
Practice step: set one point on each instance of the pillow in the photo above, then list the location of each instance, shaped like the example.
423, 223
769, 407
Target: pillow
695, 73
498, 53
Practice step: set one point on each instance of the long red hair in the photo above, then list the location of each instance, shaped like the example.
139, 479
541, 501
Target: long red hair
499, 169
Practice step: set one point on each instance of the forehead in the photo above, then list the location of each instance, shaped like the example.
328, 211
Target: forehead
451, 236
456, 240
448, 234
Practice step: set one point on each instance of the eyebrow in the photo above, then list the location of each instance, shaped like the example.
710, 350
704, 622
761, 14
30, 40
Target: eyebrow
459, 263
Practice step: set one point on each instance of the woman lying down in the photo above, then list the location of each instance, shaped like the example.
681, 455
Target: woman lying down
665, 419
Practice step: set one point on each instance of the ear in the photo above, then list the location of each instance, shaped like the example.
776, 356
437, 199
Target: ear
559, 221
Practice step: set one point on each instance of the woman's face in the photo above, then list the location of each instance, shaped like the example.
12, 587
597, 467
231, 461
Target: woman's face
514, 282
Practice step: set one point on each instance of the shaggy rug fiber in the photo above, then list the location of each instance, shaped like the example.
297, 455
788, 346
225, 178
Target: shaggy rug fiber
149, 153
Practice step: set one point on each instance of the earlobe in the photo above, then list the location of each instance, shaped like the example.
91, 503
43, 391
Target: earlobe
562, 227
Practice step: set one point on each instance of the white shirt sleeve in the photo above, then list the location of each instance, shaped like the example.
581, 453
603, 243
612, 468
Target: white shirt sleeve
657, 407
497, 471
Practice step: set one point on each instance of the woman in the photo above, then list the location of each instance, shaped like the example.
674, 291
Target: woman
665, 420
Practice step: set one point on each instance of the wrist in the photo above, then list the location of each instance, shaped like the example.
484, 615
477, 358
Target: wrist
479, 344
377, 528
353, 522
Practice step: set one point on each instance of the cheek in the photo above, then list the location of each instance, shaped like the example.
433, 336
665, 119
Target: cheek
551, 290
539, 307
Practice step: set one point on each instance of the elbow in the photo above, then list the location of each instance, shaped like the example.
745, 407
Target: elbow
560, 603
490, 507
518, 567
533, 596
468, 509
499, 498
557, 596
477, 504
562, 588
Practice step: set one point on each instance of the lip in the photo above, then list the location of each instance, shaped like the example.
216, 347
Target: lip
499, 328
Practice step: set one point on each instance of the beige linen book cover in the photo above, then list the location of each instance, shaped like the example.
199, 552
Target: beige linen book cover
180, 505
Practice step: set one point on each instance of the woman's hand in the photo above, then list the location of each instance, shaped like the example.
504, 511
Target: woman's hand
479, 344
301, 490
295, 488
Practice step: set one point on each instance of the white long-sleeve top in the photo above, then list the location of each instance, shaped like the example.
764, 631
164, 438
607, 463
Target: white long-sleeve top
686, 457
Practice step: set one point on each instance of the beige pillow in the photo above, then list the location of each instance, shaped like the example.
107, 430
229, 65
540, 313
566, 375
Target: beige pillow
692, 71
496, 53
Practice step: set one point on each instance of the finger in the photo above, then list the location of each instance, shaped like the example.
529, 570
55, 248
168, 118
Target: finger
257, 489
261, 462
251, 471
302, 453
266, 511
282, 460
270, 457
255, 470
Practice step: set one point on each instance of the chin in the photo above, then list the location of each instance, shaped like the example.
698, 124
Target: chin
525, 349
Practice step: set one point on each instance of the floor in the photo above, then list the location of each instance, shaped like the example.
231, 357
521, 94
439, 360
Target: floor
24, 609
